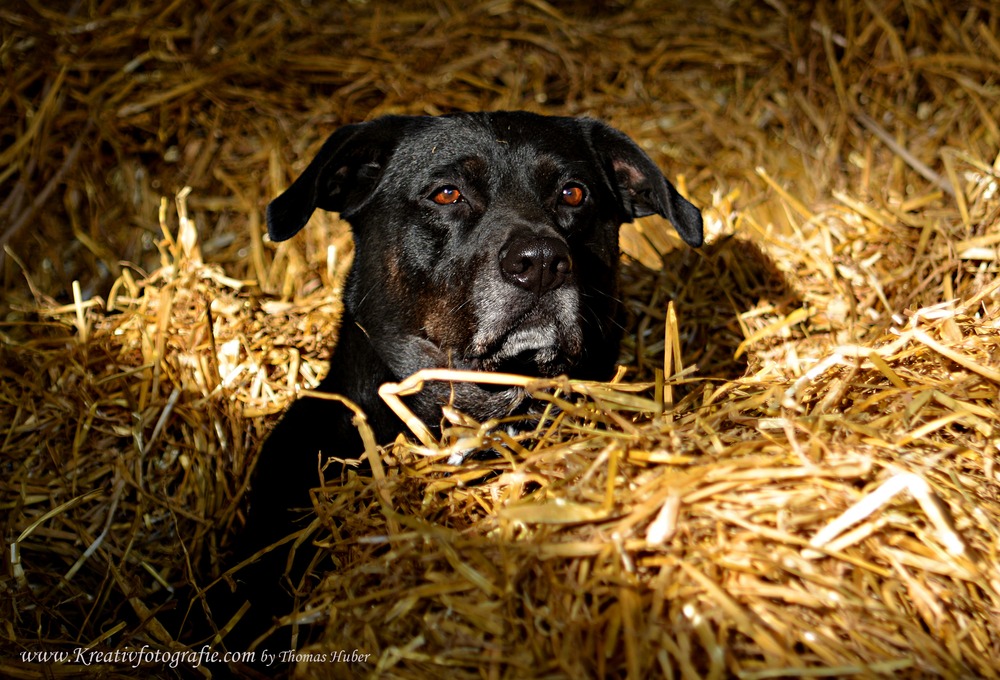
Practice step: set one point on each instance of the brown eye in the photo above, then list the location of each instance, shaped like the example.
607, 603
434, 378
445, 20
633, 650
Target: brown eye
447, 196
572, 195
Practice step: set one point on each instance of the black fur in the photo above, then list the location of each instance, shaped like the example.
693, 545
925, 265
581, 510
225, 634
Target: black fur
511, 277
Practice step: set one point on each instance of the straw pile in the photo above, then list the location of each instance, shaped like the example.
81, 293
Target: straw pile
796, 474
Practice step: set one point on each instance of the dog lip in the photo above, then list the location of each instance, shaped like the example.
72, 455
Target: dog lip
532, 338
530, 347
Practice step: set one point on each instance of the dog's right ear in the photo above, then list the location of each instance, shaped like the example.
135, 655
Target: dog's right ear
340, 178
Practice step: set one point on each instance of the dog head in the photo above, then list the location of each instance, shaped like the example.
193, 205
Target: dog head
485, 240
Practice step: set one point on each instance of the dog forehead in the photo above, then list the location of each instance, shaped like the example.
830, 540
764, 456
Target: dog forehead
491, 141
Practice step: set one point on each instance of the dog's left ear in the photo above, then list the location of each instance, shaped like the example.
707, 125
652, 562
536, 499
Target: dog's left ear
341, 177
641, 185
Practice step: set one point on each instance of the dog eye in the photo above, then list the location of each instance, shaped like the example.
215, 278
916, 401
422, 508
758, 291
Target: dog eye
572, 194
447, 196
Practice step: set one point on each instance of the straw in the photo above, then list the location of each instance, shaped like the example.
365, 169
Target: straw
794, 474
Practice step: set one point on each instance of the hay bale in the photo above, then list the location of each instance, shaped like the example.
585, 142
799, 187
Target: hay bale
796, 473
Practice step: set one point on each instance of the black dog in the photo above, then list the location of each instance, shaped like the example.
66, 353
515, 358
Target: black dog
484, 241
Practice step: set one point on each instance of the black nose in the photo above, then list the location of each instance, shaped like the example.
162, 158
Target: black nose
536, 264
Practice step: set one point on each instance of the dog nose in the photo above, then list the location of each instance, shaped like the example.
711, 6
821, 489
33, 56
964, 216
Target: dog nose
536, 264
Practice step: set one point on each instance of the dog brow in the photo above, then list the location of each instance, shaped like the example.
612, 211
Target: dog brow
471, 169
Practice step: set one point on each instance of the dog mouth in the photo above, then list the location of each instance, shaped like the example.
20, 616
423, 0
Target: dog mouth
521, 332
530, 349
